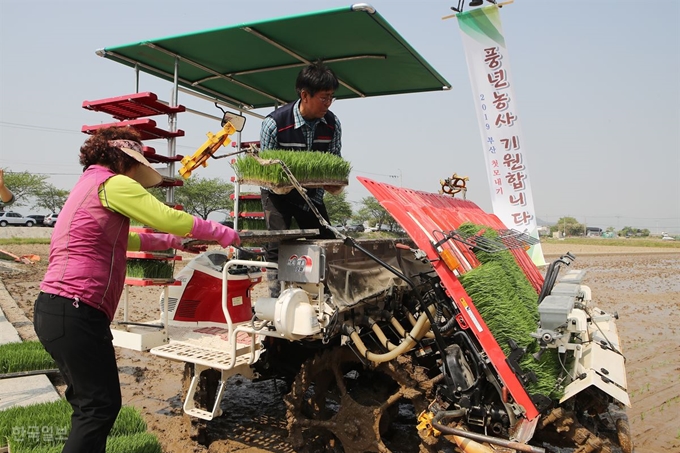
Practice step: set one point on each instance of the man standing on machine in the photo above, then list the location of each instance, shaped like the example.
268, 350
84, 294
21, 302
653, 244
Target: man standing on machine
303, 125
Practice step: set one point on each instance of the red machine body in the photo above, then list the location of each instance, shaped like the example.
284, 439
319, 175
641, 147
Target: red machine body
199, 297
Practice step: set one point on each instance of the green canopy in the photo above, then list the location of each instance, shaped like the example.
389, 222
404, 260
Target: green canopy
255, 65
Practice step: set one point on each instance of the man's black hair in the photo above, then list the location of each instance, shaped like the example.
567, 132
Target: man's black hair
316, 77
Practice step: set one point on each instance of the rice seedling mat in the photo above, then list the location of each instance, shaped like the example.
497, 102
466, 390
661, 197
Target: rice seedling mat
508, 304
311, 169
24, 356
44, 428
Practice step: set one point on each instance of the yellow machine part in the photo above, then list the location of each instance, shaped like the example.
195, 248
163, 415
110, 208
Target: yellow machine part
425, 424
206, 150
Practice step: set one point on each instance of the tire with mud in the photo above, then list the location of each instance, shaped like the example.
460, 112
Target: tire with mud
563, 431
337, 404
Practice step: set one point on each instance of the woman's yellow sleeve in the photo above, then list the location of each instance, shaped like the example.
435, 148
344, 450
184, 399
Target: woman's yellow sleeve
127, 197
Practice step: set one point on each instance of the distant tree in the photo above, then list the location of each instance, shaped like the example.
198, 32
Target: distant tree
610, 229
373, 213
339, 209
568, 226
201, 196
628, 231
24, 185
50, 198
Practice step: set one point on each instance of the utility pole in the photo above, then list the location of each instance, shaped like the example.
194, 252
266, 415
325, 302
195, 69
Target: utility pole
585, 228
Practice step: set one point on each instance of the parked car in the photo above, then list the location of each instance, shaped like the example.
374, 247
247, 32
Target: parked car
39, 219
358, 228
50, 220
668, 238
14, 218
386, 228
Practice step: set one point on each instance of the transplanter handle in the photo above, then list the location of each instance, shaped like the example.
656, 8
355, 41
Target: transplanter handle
417, 253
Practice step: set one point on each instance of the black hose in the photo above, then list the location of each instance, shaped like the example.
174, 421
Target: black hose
552, 273
140, 324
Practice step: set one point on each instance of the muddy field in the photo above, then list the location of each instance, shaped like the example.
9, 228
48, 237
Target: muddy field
641, 284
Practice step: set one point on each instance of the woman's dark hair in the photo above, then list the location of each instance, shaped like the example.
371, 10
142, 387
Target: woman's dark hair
316, 77
97, 151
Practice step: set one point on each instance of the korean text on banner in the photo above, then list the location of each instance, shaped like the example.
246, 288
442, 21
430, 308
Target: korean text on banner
499, 122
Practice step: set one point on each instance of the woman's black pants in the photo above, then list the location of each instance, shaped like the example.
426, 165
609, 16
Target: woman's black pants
79, 339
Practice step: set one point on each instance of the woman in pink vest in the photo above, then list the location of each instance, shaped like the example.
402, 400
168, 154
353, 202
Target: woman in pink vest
86, 273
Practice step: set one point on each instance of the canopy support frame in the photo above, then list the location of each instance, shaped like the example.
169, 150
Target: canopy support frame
296, 55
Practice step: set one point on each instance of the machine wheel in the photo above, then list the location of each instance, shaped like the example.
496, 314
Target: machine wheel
338, 405
620, 421
3, 223
608, 432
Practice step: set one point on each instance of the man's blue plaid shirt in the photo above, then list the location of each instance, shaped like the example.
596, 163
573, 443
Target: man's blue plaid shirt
269, 140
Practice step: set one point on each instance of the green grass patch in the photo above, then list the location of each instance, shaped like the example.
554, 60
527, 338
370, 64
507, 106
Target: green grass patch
309, 167
44, 428
20, 241
615, 242
24, 356
508, 305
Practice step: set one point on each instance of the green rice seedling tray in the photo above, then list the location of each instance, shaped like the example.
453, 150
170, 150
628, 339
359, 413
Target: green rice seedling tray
24, 356
250, 206
312, 169
150, 269
249, 202
44, 428
247, 223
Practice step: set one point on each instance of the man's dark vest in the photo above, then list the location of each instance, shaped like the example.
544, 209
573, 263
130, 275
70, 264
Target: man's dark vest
291, 138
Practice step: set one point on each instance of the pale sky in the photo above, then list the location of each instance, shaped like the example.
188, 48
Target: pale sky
596, 86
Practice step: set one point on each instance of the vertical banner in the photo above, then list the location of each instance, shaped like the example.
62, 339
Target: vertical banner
499, 122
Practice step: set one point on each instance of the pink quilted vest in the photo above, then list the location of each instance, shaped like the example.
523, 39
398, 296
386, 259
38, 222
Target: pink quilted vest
87, 252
